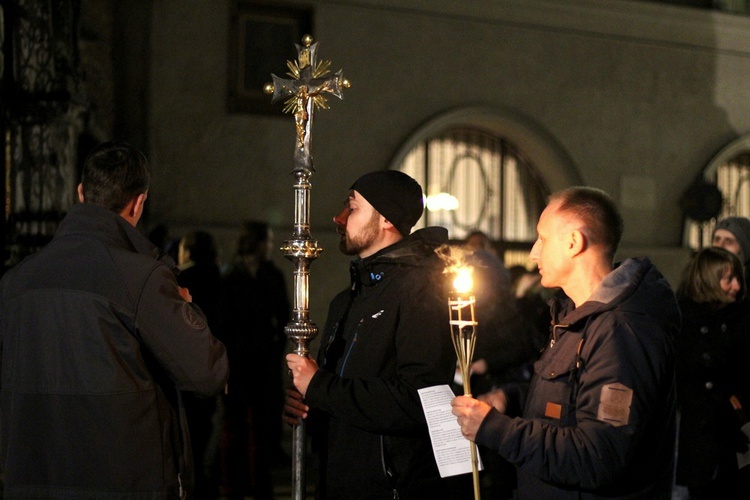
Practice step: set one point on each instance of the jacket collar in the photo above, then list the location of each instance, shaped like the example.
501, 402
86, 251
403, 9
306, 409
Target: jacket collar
99, 222
417, 249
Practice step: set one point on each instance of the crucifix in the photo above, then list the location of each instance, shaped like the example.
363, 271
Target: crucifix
304, 91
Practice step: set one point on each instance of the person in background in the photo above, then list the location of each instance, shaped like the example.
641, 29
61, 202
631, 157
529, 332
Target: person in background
199, 272
98, 344
500, 347
713, 388
599, 419
256, 310
503, 349
478, 241
386, 336
733, 234
531, 299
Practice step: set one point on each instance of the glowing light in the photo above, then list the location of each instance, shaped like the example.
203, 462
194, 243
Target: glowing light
463, 281
441, 201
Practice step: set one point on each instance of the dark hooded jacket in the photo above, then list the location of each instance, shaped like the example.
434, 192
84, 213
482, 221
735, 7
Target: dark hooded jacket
385, 338
599, 421
96, 345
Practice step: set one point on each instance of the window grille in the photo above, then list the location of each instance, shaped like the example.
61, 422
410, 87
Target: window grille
475, 180
732, 177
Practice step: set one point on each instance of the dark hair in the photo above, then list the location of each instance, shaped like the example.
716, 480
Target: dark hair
201, 246
702, 276
252, 235
597, 211
113, 174
485, 242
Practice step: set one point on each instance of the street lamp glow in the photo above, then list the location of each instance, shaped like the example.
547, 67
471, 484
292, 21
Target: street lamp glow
441, 201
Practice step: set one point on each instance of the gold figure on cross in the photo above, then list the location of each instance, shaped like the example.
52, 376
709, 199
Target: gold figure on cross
305, 90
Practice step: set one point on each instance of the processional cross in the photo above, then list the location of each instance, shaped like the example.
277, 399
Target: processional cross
304, 91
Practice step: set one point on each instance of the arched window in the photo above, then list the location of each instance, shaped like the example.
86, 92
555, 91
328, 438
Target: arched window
480, 173
724, 191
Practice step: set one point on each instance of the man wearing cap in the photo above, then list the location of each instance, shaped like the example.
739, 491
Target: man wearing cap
733, 234
385, 337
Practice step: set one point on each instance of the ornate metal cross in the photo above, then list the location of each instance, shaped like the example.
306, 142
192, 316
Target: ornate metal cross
304, 92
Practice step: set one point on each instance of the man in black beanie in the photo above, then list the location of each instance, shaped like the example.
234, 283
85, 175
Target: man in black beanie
386, 336
733, 234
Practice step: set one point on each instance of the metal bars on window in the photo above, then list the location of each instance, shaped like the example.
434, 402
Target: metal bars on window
733, 180
476, 180
42, 114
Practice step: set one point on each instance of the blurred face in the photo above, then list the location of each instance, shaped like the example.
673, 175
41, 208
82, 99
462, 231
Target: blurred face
267, 248
730, 285
549, 250
358, 224
726, 240
183, 255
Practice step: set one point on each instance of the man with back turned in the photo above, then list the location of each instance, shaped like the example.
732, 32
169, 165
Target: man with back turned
98, 342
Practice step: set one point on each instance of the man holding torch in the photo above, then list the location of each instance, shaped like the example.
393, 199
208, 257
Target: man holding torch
599, 420
385, 338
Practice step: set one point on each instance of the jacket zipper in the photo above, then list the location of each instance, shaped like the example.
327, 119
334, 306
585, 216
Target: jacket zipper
348, 352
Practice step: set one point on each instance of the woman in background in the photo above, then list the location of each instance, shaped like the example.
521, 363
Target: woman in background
712, 379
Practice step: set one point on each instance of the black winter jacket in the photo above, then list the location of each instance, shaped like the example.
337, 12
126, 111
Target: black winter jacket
599, 421
96, 345
384, 339
712, 358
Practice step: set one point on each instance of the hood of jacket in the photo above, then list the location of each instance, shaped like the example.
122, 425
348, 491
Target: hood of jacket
415, 250
636, 286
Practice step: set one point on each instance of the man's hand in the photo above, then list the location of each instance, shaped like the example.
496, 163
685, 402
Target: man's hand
294, 409
302, 370
497, 399
470, 413
185, 294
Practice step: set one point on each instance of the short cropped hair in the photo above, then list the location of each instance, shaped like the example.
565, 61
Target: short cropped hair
701, 279
113, 174
597, 211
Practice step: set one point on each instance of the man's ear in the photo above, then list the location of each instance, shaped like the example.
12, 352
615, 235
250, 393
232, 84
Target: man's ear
576, 242
80, 192
138, 205
134, 209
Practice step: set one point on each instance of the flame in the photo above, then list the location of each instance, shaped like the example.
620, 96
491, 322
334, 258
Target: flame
463, 282
455, 260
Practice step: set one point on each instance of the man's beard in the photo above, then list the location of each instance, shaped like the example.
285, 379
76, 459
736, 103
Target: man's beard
362, 240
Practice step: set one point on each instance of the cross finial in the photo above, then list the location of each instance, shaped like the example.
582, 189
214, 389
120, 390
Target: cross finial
304, 91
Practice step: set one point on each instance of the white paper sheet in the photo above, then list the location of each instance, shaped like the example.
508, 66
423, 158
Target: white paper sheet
452, 451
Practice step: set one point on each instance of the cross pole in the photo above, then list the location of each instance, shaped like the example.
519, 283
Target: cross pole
304, 91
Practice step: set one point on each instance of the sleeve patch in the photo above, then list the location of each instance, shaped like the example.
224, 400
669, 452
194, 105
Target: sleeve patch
192, 317
614, 404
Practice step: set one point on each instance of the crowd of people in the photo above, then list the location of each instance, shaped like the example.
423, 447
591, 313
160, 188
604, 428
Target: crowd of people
128, 373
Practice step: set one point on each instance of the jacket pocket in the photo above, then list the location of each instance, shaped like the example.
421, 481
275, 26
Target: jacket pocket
553, 396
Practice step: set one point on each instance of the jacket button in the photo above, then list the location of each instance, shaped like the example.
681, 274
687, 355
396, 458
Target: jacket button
709, 385
704, 329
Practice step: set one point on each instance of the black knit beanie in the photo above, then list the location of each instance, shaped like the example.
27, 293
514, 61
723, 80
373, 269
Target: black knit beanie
395, 195
740, 228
